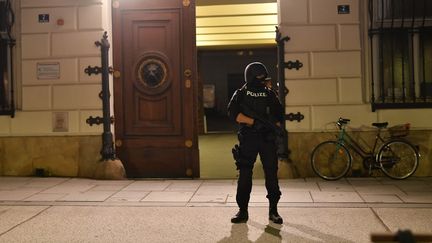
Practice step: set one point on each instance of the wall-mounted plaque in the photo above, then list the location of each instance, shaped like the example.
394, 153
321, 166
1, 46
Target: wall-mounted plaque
49, 70
60, 121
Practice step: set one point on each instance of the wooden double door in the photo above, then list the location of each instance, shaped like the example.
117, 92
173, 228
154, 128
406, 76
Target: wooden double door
155, 94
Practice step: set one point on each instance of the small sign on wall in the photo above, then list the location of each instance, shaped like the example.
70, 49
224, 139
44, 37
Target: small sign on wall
48, 70
343, 9
60, 122
43, 18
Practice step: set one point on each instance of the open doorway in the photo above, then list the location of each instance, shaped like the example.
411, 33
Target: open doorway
230, 34
221, 74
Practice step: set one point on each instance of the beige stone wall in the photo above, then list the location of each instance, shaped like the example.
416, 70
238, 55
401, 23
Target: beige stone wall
75, 156
71, 46
334, 81
31, 140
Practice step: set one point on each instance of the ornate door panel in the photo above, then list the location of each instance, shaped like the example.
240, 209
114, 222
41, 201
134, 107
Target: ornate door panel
154, 97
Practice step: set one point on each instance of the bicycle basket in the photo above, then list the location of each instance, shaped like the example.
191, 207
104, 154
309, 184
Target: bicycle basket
399, 130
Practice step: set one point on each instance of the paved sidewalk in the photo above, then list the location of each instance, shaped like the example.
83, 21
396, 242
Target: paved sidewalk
84, 210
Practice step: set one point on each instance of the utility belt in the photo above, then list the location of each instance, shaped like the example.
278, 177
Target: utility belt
244, 128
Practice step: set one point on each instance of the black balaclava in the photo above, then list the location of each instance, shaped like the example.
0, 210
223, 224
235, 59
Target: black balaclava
255, 74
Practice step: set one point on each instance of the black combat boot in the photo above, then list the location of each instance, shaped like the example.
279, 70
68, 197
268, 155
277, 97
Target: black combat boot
274, 216
241, 217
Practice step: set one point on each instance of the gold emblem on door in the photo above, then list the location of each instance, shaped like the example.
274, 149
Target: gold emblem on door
188, 143
116, 74
187, 73
188, 83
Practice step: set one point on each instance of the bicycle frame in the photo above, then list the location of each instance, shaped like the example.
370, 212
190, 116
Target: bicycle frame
345, 139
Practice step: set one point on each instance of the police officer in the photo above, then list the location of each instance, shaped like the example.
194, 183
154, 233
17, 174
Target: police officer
254, 100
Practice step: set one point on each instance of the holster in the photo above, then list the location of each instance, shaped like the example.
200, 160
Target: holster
236, 155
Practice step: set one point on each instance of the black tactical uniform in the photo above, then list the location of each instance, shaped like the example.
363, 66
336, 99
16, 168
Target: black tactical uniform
255, 98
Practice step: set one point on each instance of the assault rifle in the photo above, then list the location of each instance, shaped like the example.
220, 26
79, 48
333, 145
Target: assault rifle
281, 134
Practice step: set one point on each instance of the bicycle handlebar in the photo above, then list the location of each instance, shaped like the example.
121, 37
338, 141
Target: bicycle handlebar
342, 121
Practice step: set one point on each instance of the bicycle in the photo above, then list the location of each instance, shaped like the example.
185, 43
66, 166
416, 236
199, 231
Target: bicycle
396, 157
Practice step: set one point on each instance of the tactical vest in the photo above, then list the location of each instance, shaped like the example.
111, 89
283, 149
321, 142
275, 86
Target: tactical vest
257, 99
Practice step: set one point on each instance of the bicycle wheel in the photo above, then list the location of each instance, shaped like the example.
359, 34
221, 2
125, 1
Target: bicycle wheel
330, 160
398, 159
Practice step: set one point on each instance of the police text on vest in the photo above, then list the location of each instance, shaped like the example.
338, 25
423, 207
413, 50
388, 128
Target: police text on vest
258, 94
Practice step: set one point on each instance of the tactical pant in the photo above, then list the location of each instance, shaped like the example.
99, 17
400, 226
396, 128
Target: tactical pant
251, 144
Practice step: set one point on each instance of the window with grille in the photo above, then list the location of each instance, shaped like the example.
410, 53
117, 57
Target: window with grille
6, 45
400, 35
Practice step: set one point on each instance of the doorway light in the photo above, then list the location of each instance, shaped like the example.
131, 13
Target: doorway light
232, 25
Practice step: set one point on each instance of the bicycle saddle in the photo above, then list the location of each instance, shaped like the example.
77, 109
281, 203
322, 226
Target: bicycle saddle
380, 124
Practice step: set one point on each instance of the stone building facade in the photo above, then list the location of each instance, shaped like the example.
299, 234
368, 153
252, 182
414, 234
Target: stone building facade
49, 129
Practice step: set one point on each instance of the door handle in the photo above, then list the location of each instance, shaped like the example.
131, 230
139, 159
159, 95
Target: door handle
188, 74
